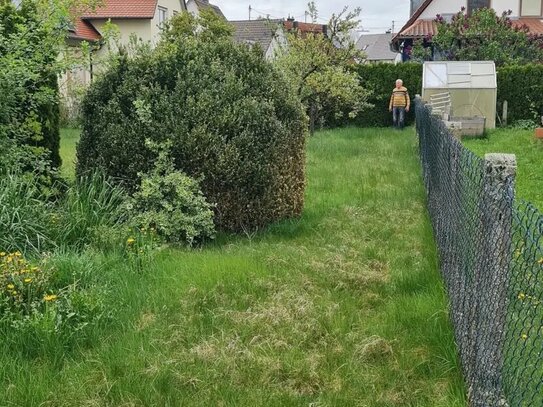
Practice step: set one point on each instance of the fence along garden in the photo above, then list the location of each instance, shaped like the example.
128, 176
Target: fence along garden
491, 253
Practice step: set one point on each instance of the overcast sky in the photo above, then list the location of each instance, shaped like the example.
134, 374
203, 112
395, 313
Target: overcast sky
376, 16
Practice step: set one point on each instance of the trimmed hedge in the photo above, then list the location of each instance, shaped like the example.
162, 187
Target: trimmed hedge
231, 118
522, 87
380, 80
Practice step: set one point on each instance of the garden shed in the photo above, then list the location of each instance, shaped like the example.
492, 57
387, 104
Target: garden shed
469, 86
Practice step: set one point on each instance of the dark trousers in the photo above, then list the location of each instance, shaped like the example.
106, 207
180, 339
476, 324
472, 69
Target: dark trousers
398, 117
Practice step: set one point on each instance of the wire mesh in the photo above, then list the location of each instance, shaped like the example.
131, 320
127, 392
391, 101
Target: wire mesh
491, 260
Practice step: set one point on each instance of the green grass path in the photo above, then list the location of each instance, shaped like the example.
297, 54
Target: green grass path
343, 307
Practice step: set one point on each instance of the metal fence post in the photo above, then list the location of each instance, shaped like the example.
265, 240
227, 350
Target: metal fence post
498, 195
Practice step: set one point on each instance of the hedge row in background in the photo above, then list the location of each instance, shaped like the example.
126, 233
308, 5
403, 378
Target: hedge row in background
380, 80
229, 116
522, 87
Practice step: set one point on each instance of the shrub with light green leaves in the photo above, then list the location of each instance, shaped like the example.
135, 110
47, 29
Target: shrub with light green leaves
171, 203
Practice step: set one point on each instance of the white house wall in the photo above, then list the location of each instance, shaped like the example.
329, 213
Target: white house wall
279, 43
192, 8
454, 6
171, 6
442, 7
140, 27
503, 5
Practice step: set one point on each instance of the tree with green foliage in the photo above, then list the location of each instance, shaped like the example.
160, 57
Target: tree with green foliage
32, 37
482, 35
319, 68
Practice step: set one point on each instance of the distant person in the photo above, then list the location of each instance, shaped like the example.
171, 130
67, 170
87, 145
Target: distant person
399, 104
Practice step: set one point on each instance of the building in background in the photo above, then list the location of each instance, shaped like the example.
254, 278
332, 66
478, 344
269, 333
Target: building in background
194, 7
268, 34
376, 48
421, 24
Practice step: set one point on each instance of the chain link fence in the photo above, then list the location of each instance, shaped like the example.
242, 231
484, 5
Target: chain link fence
491, 254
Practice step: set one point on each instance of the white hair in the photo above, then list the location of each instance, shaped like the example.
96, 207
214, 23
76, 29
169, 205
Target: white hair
399, 81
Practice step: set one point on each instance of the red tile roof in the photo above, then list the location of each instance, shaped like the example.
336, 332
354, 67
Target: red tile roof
535, 25
419, 29
84, 30
305, 28
413, 18
124, 9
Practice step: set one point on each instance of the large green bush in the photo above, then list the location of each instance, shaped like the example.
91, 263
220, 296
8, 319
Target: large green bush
380, 79
29, 108
230, 116
522, 87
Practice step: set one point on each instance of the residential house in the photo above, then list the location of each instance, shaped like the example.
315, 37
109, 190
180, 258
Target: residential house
194, 7
421, 24
141, 18
268, 34
376, 48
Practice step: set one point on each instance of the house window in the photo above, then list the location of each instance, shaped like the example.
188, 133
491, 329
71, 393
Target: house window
162, 15
477, 4
530, 8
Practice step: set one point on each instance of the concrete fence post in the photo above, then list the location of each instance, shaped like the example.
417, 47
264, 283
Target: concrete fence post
493, 279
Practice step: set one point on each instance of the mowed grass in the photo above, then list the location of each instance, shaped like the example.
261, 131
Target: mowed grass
343, 307
69, 139
529, 152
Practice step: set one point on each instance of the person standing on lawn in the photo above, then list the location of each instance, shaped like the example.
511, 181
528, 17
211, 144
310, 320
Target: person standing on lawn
399, 104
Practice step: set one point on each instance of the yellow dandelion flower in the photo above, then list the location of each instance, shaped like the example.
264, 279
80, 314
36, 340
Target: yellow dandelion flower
524, 336
540, 261
27, 280
2, 254
521, 296
14, 292
51, 297
11, 286
131, 240
17, 254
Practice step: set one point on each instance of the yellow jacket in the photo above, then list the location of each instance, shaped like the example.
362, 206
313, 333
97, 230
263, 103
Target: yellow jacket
400, 98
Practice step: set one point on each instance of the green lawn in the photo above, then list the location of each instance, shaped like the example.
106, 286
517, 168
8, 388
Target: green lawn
529, 152
343, 307
69, 139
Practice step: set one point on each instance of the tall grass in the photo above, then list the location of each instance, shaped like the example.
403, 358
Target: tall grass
92, 202
342, 307
25, 222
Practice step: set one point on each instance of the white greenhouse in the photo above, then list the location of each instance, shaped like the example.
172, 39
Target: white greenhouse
468, 89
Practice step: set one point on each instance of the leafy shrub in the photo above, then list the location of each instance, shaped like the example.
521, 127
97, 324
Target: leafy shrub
379, 80
171, 203
231, 118
522, 87
29, 108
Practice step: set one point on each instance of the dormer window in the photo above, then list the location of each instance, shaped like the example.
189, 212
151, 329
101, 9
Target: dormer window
530, 8
477, 4
162, 15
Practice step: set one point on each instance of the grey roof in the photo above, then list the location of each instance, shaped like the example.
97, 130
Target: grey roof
376, 47
256, 31
205, 4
